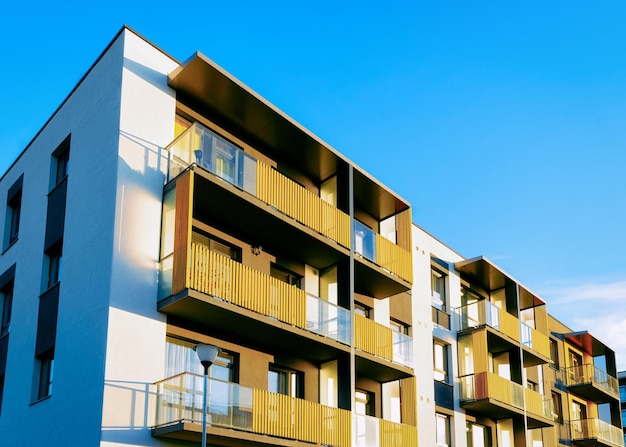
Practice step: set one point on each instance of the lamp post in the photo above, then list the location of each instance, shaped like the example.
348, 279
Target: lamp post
206, 354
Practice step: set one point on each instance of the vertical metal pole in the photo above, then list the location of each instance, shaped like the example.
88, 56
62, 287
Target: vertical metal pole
204, 403
521, 352
352, 359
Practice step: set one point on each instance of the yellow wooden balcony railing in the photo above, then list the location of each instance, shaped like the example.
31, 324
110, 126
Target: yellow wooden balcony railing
180, 398
287, 417
380, 340
290, 198
373, 337
393, 434
539, 405
231, 281
394, 258
541, 343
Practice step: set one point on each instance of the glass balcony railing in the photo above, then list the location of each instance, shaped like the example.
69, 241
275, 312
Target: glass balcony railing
586, 429
228, 162
590, 374
373, 432
327, 319
180, 399
484, 312
378, 249
223, 278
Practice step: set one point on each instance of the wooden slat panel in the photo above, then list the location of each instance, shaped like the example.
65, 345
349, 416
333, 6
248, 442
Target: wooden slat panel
297, 202
394, 258
408, 401
373, 337
182, 231
481, 356
509, 325
286, 417
393, 434
404, 231
541, 343
221, 277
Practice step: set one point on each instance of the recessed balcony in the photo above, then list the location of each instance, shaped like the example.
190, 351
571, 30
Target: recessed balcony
484, 313
497, 397
536, 346
592, 383
265, 205
595, 433
226, 295
373, 432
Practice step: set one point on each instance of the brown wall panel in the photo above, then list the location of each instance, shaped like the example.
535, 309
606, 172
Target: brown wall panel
182, 231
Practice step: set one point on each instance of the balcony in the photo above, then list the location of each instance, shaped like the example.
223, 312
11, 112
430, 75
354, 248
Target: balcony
595, 433
592, 383
228, 163
227, 295
374, 432
379, 340
536, 346
236, 413
497, 397
483, 312
381, 251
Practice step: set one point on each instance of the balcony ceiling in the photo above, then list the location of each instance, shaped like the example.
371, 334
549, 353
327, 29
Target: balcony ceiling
205, 86
588, 343
492, 277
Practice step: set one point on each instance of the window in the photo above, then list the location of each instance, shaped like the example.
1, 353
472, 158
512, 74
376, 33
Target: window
622, 393
477, 435
180, 358
361, 309
285, 275
44, 372
365, 402
557, 407
440, 359
442, 430
285, 381
5, 309
437, 282
399, 327
554, 354
62, 156
14, 206
217, 245
54, 268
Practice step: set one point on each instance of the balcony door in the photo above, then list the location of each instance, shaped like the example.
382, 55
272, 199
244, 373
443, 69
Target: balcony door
575, 370
579, 423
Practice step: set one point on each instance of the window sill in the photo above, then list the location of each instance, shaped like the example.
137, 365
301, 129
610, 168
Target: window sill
11, 244
41, 400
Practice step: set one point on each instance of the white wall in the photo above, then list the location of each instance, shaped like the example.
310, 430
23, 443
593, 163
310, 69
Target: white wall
71, 416
136, 332
425, 246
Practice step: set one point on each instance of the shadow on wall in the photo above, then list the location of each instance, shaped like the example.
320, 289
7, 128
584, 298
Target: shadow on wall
129, 412
155, 78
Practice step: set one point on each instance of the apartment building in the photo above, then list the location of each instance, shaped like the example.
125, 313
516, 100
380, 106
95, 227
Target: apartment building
621, 377
166, 204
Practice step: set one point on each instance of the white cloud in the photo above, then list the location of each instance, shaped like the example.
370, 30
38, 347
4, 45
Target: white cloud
594, 306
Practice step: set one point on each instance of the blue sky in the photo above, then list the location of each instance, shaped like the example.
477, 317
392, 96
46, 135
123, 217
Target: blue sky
503, 123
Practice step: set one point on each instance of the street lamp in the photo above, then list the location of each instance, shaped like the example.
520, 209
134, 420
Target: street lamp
206, 354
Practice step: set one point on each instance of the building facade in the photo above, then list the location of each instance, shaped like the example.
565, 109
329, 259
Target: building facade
166, 204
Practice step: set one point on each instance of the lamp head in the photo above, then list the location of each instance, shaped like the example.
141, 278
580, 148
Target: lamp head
206, 354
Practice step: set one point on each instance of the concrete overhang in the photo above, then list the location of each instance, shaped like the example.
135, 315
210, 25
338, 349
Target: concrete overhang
588, 343
205, 86
493, 277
